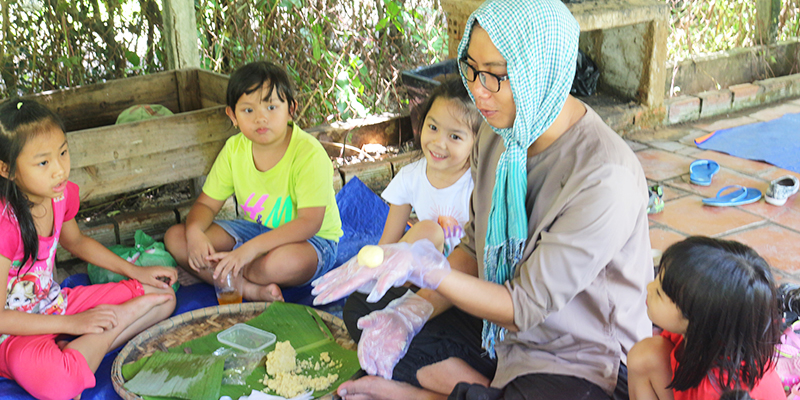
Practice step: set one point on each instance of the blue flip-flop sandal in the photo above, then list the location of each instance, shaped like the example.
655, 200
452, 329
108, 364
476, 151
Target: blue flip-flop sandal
738, 196
701, 171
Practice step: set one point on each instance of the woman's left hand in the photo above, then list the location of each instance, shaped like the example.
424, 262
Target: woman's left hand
156, 276
419, 263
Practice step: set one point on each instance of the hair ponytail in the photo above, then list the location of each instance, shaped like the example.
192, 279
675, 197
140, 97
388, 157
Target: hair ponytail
21, 120
20, 207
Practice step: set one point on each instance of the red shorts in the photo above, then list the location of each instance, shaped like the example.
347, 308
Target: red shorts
40, 366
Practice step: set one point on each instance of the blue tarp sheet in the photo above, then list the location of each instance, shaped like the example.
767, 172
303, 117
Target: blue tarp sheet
776, 142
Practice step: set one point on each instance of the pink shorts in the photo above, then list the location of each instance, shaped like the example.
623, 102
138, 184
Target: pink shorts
40, 366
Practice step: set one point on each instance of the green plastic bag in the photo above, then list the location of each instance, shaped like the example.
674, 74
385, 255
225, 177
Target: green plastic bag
146, 252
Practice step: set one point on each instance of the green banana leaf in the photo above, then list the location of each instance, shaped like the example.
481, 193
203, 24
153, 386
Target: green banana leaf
298, 324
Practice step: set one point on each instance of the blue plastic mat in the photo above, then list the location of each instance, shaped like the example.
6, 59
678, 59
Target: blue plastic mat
363, 216
776, 142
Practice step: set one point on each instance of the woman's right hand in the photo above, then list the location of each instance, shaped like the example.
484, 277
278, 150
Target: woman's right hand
199, 247
95, 320
386, 334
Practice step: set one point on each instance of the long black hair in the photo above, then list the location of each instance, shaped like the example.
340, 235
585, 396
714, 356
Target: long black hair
21, 120
727, 293
451, 89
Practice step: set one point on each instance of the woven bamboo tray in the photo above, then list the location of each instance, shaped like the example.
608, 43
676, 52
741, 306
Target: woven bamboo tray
198, 323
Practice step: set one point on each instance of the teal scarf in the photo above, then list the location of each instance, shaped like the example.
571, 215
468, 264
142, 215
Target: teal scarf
539, 41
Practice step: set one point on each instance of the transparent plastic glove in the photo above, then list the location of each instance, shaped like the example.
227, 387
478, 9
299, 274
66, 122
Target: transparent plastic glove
420, 264
387, 333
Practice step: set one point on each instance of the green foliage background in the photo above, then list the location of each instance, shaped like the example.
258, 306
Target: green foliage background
345, 56
705, 26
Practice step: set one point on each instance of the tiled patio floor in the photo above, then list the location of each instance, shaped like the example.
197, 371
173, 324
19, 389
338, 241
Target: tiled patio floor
772, 231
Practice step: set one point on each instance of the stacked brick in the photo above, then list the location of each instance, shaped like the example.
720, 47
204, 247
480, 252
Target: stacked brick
736, 97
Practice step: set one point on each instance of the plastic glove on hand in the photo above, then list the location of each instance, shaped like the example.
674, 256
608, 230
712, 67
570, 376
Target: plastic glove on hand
420, 263
386, 334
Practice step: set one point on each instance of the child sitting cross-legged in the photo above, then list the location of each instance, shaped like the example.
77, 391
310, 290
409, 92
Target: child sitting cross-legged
282, 178
38, 205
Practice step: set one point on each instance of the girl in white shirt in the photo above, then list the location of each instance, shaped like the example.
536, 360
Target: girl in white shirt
437, 187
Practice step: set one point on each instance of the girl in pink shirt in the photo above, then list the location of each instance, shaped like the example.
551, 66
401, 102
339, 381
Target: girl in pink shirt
38, 205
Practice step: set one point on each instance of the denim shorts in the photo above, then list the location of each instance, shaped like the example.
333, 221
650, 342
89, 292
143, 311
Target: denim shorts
242, 230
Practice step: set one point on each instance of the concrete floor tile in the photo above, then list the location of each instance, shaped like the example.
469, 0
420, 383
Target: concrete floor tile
669, 146
769, 211
766, 210
726, 123
688, 216
691, 136
689, 151
778, 245
659, 165
776, 112
790, 218
635, 146
671, 193
745, 166
661, 238
793, 202
724, 177
670, 133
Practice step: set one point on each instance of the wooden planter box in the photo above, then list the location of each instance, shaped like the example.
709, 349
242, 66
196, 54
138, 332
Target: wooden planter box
110, 159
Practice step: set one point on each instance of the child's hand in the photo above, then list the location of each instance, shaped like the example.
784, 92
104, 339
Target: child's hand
160, 277
199, 249
95, 320
233, 260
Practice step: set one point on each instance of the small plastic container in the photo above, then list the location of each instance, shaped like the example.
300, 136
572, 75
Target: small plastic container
245, 337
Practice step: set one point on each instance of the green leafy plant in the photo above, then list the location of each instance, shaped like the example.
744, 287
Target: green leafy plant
705, 26
345, 57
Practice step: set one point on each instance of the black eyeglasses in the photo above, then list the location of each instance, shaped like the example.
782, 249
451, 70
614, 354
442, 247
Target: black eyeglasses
489, 80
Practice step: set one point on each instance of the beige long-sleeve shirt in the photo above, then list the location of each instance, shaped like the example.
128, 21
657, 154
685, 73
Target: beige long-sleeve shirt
579, 293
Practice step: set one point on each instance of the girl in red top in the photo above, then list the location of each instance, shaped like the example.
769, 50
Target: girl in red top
717, 304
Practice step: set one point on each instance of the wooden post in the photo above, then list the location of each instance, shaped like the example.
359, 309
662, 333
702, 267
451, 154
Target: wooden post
180, 33
767, 12
651, 83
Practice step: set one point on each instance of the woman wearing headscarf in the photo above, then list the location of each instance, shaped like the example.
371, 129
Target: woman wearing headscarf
556, 255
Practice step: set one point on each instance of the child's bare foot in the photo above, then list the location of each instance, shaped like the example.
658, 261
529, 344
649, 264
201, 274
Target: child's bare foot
377, 388
271, 292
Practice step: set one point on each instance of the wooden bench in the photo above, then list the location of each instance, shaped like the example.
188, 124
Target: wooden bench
626, 38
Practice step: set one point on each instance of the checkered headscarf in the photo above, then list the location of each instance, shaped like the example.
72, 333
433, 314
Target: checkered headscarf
539, 41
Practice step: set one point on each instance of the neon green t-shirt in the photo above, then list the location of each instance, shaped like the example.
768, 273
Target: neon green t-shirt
303, 178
